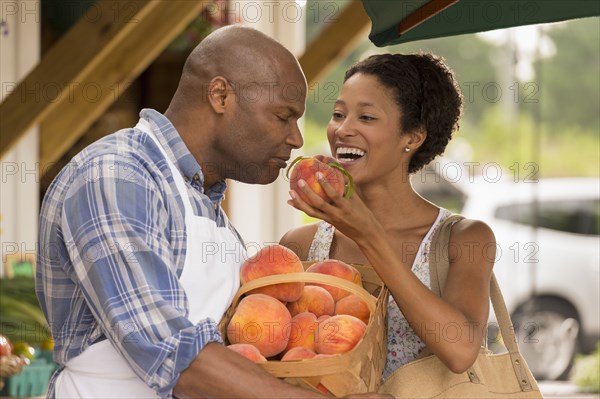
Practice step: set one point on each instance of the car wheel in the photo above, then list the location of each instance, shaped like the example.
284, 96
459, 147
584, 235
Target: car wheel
548, 334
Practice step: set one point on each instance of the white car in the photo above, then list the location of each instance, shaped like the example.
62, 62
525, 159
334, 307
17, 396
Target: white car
549, 274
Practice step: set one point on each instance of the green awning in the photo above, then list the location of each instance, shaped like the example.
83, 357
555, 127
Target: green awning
400, 21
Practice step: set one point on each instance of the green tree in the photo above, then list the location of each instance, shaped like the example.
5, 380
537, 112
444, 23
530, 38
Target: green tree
570, 80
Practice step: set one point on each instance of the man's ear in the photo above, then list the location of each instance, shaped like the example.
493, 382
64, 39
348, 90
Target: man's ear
218, 94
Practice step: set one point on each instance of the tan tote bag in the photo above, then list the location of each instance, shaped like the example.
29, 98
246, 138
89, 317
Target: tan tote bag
504, 375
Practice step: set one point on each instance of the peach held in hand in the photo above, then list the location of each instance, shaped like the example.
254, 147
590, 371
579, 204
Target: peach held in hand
262, 321
306, 168
339, 334
339, 269
274, 259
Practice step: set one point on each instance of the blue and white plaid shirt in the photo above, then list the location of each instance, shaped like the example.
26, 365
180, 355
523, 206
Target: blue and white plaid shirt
112, 246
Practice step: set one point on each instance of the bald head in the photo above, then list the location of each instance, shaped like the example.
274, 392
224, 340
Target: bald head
240, 89
240, 54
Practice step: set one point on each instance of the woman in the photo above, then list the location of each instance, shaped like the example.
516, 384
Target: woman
396, 113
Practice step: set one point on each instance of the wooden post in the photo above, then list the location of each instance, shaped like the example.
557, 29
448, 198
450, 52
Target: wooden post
84, 72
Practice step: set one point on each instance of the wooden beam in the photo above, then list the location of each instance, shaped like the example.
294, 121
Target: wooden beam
336, 40
109, 80
118, 116
67, 63
103, 44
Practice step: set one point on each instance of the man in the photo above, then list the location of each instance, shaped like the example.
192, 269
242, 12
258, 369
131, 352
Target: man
137, 261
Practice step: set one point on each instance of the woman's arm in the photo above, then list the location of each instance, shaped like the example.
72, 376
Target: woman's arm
453, 326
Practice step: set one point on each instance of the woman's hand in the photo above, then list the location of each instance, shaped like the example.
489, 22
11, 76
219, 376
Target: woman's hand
349, 215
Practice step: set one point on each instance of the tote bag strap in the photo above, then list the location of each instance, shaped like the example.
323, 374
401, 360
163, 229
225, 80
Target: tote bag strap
439, 260
439, 264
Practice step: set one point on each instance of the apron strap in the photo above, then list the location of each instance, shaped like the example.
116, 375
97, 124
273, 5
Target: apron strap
144, 126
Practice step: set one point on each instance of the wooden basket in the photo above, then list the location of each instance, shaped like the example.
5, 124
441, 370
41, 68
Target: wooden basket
356, 371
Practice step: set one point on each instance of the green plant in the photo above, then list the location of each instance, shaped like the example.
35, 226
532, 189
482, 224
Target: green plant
213, 15
586, 371
193, 34
21, 318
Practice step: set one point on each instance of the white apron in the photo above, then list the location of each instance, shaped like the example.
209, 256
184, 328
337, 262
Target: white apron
210, 278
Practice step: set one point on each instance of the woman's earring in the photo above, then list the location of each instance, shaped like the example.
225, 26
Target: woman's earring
406, 149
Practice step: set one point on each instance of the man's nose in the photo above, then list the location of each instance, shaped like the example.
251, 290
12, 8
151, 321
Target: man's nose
295, 138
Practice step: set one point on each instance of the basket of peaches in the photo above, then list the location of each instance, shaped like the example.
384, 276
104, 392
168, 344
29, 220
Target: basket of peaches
320, 325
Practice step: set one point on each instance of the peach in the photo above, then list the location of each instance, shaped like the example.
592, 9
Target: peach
339, 269
314, 299
307, 168
262, 321
339, 334
324, 317
302, 331
273, 259
321, 388
298, 353
325, 356
248, 351
354, 306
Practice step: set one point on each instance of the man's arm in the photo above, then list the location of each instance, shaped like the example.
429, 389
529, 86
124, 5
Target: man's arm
218, 372
118, 235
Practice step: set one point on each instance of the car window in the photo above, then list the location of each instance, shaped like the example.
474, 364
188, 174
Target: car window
571, 216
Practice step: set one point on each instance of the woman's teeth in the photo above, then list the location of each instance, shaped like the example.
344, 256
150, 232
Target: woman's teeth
347, 154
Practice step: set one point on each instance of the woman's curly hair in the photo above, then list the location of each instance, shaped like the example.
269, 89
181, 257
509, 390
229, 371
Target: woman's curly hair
427, 94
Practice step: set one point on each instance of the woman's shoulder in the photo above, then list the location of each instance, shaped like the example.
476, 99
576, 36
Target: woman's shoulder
472, 230
472, 240
300, 239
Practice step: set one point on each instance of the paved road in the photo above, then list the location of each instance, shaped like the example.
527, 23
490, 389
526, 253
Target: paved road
563, 390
